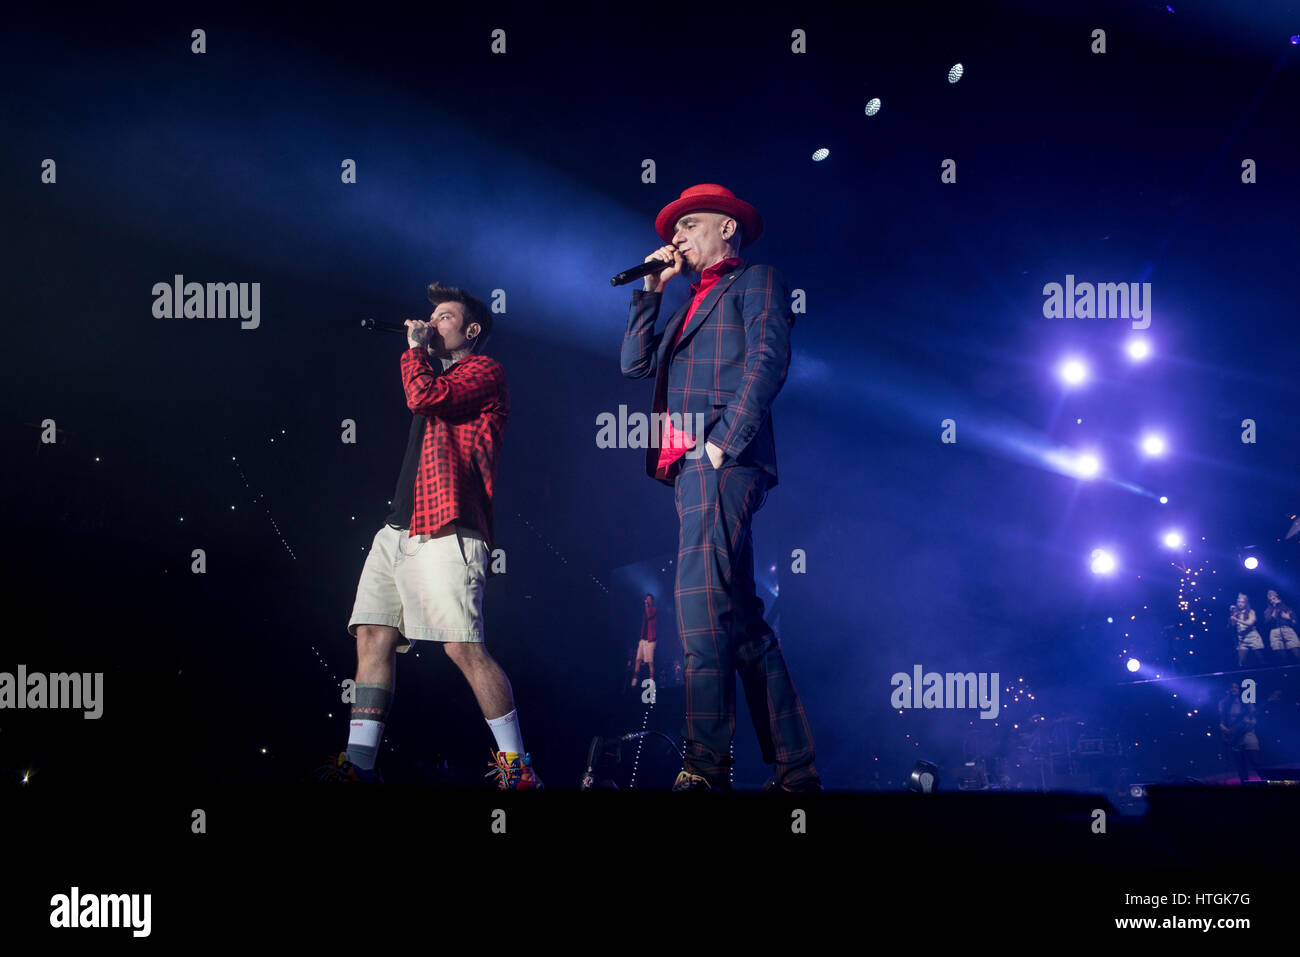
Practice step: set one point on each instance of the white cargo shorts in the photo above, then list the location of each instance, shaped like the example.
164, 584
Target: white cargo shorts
428, 587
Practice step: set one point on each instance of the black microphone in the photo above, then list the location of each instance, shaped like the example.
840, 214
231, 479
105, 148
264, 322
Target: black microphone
374, 325
636, 272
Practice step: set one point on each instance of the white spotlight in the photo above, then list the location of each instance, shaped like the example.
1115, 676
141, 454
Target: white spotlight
1087, 465
1173, 539
954, 74
1073, 371
1138, 349
873, 106
1153, 444
1103, 562
1251, 562
821, 154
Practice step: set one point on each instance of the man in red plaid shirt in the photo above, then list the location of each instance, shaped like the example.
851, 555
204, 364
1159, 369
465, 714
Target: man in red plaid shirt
423, 579
645, 646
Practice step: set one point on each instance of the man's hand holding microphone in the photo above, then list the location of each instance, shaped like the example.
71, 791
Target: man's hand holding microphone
417, 332
655, 282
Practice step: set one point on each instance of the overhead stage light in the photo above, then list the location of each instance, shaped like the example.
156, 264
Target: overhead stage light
1073, 371
1103, 562
1087, 465
1080, 464
1153, 444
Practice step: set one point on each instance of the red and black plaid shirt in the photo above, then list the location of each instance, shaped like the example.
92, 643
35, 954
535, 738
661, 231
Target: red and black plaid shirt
467, 407
649, 624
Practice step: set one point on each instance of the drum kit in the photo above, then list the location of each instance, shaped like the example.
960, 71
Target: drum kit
1061, 753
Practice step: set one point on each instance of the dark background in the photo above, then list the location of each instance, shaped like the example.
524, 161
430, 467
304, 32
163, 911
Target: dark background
523, 172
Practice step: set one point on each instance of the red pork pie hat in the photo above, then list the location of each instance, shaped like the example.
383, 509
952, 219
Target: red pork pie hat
709, 197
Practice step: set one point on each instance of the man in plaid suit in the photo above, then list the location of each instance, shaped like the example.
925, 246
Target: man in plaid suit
723, 355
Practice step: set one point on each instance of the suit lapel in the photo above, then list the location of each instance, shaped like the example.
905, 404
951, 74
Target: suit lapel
702, 313
670, 332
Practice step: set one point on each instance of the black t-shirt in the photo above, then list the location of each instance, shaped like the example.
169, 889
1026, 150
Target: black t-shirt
404, 494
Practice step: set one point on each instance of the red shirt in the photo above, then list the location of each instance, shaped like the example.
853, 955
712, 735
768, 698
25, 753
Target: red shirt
649, 624
676, 443
467, 407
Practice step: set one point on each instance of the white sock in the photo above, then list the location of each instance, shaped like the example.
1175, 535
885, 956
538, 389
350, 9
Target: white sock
363, 742
506, 730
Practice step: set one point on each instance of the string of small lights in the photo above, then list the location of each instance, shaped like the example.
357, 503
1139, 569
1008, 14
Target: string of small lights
259, 497
554, 551
636, 759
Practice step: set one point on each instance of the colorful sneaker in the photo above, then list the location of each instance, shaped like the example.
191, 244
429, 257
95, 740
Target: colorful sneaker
690, 781
342, 771
514, 772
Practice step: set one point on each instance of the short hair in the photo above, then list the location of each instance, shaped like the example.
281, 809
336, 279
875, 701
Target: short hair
472, 309
738, 238
650, 596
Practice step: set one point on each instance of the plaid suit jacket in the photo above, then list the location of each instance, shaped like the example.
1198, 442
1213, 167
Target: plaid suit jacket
729, 365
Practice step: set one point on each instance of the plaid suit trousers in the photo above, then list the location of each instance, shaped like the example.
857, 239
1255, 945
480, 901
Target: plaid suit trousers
720, 622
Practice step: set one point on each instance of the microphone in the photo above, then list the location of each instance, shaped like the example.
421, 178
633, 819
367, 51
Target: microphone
374, 325
636, 272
